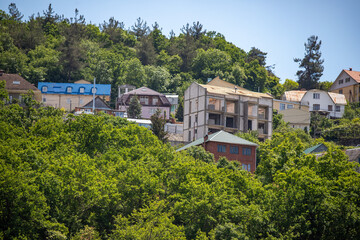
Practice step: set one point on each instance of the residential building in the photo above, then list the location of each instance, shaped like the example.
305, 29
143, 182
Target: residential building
326, 103
150, 101
348, 83
100, 106
297, 115
15, 85
71, 95
224, 144
220, 105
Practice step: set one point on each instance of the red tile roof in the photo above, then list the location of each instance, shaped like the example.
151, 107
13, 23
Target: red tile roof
354, 74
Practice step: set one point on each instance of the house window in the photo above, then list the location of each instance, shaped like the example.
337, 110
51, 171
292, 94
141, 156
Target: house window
337, 108
341, 81
282, 106
316, 107
155, 101
234, 149
189, 138
341, 91
44, 88
44, 99
196, 118
316, 95
246, 167
16, 82
144, 100
221, 148
347, 80
290, 106
68, 89
189, 121
93, 90
246, 151
81, 90
330, 108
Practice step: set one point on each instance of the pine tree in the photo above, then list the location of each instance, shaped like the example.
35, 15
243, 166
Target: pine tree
134, 110
311, 63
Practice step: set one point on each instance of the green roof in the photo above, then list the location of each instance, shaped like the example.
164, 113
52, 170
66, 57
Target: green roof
311, 149
221, 136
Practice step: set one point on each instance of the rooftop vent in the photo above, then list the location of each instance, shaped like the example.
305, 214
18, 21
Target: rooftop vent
350, 69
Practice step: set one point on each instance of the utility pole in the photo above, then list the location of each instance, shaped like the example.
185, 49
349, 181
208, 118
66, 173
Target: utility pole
94, 90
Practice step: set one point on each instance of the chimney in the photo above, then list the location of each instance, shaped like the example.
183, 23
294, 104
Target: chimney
205, 139
235, 89
350, 69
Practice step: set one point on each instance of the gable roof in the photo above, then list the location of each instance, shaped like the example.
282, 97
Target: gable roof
144, 91
99, 104
314, 149
60, 88
353, 74
222, 137
353, 154
338, 98
16, 82
294, 96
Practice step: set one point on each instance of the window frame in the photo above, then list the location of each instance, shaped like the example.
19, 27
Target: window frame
81, 90
317, 108
68, 89
246, 151
316, 95
221, 148
234, 149
44, 89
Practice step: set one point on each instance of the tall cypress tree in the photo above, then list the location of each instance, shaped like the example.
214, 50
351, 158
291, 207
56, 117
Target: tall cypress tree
134, 110
311, 64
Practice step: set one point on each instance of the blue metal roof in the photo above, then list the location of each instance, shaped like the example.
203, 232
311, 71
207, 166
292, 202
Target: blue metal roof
61, 88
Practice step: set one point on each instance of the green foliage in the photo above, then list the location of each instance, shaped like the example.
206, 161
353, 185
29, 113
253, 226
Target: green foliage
158, 122
290, 85
200, 153
134, 110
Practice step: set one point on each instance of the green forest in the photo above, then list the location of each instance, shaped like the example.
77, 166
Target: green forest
102, 177
50, 47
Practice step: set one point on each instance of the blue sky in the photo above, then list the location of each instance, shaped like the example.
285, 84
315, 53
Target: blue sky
278, 27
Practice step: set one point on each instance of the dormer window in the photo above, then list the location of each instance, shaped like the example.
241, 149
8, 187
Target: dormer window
81, 90
69, 89
16, 82
44, 89
93, 90
316, 95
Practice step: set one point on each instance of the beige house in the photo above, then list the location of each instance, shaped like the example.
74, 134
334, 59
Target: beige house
348, 83
294, 113
72, 95
220, 105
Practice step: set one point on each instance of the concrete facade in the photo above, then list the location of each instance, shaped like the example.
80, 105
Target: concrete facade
210, 108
